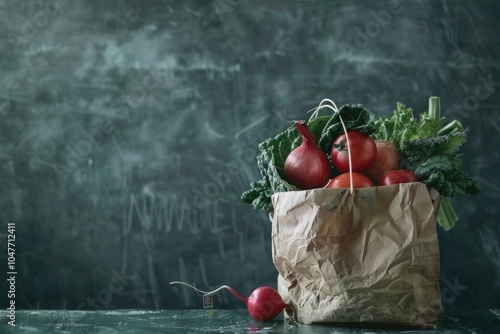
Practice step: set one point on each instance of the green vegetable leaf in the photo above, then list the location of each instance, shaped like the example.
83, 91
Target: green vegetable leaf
403, 127
454, 183
419, 150
429, 148
271, 163
442, 163
355, 117
445, 174
258, 195
428, 126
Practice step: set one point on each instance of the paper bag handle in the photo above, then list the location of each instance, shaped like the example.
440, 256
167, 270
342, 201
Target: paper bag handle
336, 110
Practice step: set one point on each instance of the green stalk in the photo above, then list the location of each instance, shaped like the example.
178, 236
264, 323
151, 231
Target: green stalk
453, 127
451, 211
442, 219
447, 215
434, 108
434, 113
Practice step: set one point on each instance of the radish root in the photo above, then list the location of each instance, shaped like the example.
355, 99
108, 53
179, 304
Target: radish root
205, 293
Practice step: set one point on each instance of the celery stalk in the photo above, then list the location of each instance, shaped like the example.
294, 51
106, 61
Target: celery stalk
434, 107
447, 215
442, 219
453, 127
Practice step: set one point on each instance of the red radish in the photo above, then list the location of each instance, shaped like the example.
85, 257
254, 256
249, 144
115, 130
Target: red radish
307, 166
397, 176
264, 304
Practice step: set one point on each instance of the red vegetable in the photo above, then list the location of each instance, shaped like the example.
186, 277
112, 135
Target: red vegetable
307, 166
397, 176
343, 181
363, 152
264, 304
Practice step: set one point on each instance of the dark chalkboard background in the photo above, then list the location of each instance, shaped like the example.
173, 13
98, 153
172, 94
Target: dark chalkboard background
130, 128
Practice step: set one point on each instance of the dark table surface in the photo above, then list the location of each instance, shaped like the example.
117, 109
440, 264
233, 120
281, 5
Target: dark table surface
219, 321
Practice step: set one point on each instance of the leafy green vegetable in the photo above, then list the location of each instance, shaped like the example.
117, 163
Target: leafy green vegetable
403, 127
444, 172
258, 195
421, 150
430, 149
427, 146
274, 151
270, 161
435, 162
355, 117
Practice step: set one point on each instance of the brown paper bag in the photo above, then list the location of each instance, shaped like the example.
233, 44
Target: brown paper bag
367, 257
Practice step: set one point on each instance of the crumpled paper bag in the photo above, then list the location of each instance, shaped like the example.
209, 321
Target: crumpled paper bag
367, 257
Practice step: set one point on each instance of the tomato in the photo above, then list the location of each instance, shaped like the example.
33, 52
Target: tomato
343, 181
363, 152
397, 176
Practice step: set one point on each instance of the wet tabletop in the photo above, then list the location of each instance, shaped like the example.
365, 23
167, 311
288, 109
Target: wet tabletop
217, 321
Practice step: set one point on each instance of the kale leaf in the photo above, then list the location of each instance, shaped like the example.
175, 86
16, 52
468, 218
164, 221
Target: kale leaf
355, 117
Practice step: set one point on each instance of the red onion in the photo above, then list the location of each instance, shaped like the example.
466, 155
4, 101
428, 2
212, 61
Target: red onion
307, 166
